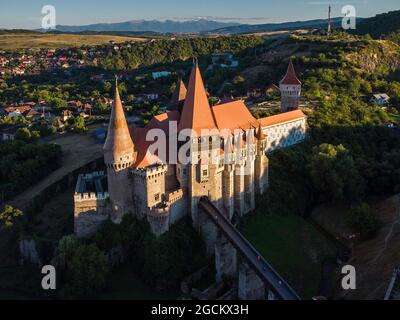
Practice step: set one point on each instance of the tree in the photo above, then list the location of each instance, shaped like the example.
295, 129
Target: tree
79, 125
58, 103
23, 134
82, 269
334, 174
9, 215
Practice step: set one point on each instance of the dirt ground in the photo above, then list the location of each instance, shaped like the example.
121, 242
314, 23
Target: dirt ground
78, 150
374, 260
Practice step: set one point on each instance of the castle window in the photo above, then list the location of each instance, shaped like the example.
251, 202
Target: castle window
157, 197
205, 172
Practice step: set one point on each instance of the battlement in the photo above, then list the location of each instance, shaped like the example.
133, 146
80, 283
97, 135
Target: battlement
158, 218
91, 196
174, 196
94, 174
150, 172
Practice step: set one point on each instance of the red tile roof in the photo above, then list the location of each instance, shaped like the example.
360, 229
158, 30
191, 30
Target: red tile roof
196, 112
281, 118
290, 77
233, 115
118, 140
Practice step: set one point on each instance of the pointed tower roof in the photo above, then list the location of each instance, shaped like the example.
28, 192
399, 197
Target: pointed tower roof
196, 112
260, 134
178, 97
119, 141
290, 76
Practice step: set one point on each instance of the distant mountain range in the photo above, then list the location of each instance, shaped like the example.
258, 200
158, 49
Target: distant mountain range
196, 26
168, 26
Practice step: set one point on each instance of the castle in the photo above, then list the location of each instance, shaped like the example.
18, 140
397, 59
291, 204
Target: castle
216, 151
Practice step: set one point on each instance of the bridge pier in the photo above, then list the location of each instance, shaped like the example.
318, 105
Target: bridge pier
225, 259
251, 287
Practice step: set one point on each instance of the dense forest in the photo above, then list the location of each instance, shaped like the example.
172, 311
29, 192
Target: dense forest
167, 51
381, 24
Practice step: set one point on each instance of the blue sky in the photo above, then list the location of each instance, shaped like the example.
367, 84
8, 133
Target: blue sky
27, 13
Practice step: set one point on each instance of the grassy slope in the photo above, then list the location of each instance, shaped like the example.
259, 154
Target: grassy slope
39, 40
126, 285
292, 246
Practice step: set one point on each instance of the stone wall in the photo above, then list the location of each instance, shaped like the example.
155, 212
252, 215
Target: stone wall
28, 252
251, 286
86, 224
286, 134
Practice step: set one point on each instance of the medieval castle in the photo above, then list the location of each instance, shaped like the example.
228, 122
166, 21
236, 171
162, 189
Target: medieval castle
228, 163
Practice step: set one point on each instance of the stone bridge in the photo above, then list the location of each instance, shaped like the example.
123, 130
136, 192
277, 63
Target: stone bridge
257, 278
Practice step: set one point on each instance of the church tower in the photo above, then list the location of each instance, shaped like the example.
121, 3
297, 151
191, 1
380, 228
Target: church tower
119, 156
290, 87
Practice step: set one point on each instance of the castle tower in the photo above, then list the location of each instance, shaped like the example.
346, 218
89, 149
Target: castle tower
228, 178
290, 87
178, 97
261, 163
119, 156
204, 177
249, 194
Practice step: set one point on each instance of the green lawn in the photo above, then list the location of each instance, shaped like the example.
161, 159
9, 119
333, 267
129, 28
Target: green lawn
292, 246
126, 285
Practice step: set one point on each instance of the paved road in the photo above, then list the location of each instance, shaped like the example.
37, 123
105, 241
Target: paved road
264, 270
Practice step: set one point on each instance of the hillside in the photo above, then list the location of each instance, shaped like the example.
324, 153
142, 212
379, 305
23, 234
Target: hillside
21, 40
255, 28
379, 25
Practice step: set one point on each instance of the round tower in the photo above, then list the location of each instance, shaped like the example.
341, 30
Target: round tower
290, 87
119, 156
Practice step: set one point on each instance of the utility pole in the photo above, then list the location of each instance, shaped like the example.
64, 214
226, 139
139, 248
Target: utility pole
329, 21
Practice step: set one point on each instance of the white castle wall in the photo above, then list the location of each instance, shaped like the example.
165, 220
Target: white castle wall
285, 134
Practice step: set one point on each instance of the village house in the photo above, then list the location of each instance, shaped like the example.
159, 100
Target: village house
381, 99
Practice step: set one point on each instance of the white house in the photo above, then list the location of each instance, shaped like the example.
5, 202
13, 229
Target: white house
381, 99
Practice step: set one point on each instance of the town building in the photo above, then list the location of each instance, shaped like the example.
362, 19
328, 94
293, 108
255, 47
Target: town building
381, 99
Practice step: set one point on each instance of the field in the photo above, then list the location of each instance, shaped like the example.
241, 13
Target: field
40, 40
293, 247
